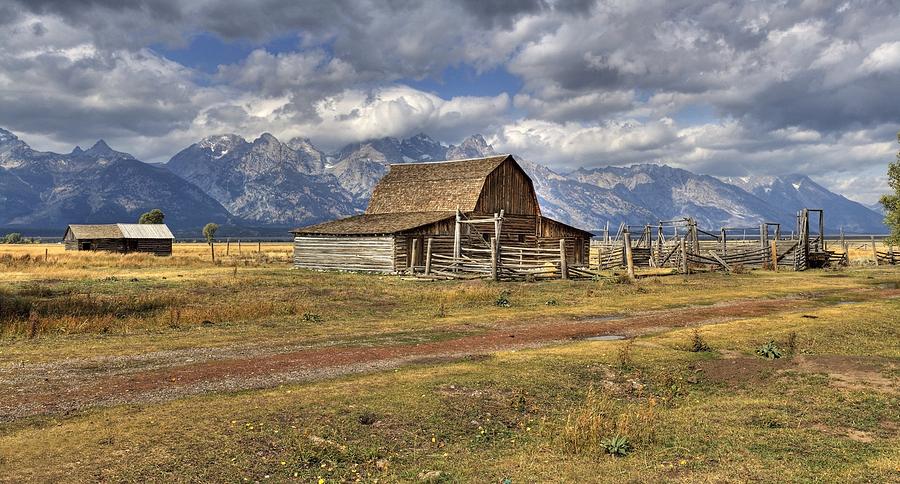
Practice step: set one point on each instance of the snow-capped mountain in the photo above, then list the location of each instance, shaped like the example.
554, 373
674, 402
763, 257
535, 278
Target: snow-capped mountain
264, 182
792, 192
97, 185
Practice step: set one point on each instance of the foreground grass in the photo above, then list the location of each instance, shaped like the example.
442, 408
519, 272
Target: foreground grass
827, 411
515, 416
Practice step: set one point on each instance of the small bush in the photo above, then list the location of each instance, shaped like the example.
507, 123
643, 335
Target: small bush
312, 318
552, 302
623, 357
367, 418
503, 300
769, 350
617, 446
790, 345
697, 342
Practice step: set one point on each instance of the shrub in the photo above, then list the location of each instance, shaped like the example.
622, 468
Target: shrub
552, 302
791, 344
697, 342
769, 350
624, 355
503, 300
13, 238
312, 318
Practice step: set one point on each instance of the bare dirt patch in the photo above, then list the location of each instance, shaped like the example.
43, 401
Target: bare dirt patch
862, 373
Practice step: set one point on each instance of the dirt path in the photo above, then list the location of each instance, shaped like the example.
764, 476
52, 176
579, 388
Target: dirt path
39, 390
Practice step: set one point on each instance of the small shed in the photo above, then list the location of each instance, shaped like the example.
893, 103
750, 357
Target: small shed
416, 202
124, 238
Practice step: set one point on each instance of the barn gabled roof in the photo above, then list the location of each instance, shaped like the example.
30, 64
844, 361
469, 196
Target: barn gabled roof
373, 224
433, 187
120, 231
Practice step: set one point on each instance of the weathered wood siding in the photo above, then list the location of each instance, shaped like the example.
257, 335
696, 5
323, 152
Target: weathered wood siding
160, 247
348, 253
508, 188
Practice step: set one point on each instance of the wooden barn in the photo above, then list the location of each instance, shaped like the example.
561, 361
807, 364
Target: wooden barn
457, 205
153, 238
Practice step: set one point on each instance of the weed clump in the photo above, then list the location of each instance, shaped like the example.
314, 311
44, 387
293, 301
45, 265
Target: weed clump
502, 300
617, 446
769, 351
623, 356
697, 343
602, 425
312, 318
790, 345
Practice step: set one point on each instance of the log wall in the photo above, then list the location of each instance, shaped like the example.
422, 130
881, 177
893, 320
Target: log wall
348, 253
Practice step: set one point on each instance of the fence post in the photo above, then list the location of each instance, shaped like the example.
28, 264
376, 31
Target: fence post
412, 255
240, 252
874, 250
891, 253
428, 257
46, 255
629, 258
682, 242
494, 258
775, 255
724, 244
227, 246
563, 264
259, 246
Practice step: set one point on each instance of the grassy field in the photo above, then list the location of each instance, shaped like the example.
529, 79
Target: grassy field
135, 368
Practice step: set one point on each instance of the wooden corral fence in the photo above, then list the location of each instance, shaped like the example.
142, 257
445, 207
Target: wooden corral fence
682, 245
679, 245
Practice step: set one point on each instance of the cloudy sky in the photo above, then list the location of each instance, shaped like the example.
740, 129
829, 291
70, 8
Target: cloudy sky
724, 88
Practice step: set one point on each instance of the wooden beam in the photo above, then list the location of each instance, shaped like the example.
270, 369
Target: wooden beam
775, 255
629, 257
428, 257
494, 259
563, 264
874, 250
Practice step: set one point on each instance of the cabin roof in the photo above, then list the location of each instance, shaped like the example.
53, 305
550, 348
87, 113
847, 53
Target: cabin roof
371, 224
121, 231
440, 186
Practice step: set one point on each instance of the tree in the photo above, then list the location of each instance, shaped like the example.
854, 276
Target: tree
891, 201
13, 238
209, 231
154, 216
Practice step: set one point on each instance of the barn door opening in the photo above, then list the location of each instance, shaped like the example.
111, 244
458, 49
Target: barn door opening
579, 251
85, 246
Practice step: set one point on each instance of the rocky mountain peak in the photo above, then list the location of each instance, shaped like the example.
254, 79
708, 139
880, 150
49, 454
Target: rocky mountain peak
100, 148
472, 147
7, 136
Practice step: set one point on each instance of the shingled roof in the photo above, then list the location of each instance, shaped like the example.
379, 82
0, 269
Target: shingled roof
379, 223
121, 231
432, 187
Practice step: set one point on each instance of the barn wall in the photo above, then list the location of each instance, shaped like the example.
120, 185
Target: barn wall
510, 189
578, 243
349, 253
161, 247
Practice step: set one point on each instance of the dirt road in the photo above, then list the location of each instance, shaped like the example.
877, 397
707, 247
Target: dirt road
70, 386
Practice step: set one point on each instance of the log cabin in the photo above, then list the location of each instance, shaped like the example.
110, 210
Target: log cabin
415, 202
124, 238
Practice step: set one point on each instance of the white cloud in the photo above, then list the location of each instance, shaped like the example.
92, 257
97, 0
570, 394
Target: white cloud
885, 58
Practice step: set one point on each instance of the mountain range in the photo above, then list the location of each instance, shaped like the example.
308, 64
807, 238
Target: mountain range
269, 183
